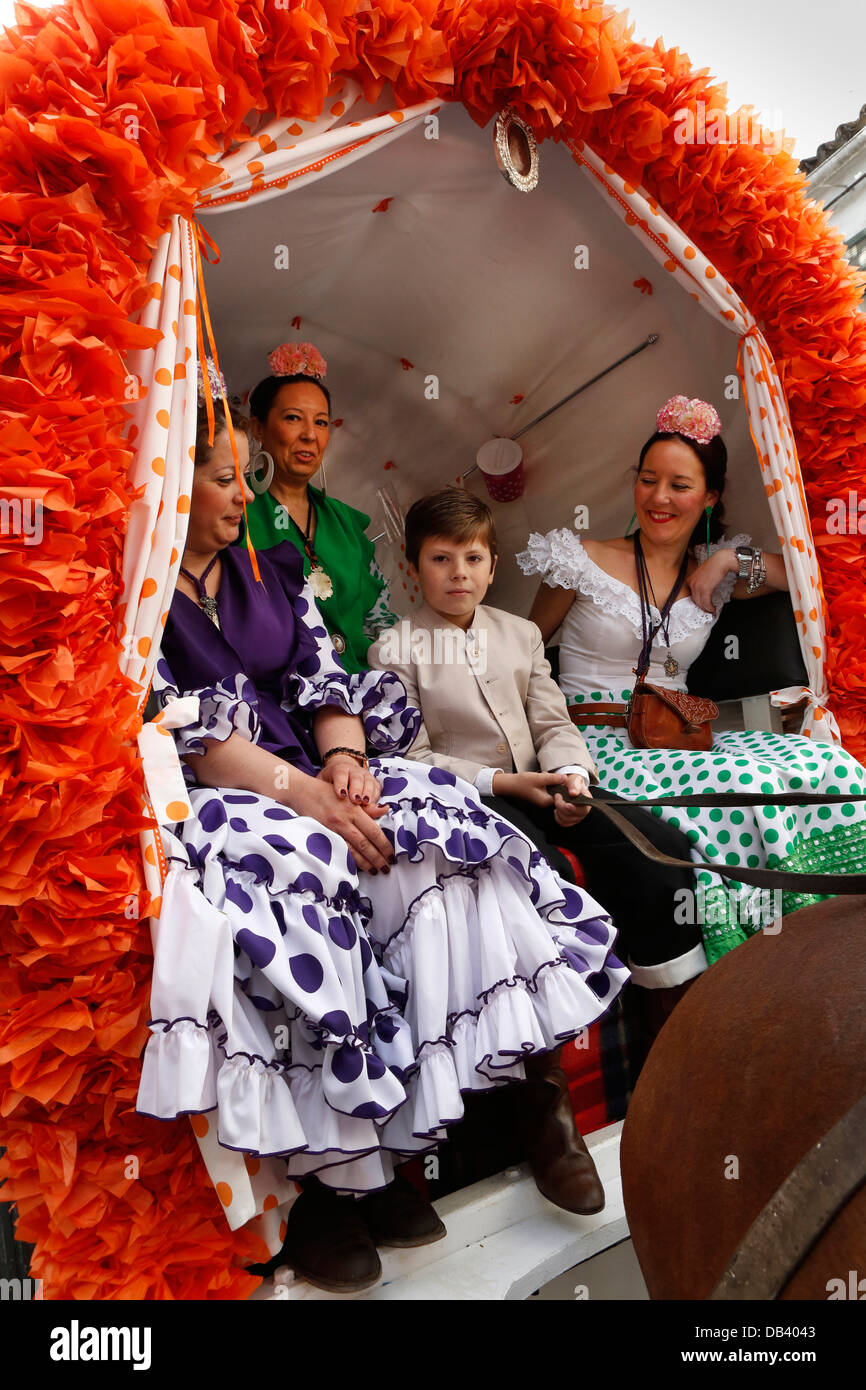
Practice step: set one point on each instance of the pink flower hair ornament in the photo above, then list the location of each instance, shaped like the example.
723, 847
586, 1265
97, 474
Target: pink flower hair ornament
297, 359
695, 419
216, 379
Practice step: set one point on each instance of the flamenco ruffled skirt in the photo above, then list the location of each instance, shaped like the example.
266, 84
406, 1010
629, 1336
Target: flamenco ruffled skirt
337, 1018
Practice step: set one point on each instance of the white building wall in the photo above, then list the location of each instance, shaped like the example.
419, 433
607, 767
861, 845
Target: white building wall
840, 182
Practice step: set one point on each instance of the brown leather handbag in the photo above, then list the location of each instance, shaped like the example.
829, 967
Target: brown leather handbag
660, 718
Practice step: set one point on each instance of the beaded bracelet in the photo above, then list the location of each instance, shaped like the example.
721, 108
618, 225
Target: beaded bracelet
360, 758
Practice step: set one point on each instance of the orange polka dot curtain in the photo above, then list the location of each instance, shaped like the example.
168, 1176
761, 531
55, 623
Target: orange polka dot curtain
113, 118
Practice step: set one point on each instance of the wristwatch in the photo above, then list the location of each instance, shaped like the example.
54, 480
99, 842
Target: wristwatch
745, 554
750, 566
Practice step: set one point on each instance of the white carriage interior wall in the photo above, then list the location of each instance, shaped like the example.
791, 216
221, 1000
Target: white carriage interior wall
495, 293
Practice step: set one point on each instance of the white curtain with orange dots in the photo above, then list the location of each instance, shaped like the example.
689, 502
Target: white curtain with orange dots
281, 154
769, 423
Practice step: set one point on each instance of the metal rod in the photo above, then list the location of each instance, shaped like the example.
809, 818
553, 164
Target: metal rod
648, 342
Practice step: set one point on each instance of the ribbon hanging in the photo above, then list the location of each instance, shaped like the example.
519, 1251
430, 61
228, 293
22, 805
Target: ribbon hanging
203, 243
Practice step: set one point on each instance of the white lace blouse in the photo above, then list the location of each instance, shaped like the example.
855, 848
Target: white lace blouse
601, 633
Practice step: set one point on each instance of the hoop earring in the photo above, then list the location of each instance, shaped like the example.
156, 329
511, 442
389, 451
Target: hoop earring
628, 528
261, 484
708, 511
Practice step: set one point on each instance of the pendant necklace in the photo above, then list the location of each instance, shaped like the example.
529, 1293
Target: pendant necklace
645, 584
209, 604
320, 580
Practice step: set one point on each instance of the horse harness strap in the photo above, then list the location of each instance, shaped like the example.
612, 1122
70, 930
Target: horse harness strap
847, 885
798, 1213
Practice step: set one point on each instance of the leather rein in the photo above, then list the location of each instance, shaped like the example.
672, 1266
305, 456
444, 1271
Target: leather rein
798, 1213
847, 885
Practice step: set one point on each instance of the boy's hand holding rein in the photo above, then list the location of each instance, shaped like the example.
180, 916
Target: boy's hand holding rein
565, 813
533, 786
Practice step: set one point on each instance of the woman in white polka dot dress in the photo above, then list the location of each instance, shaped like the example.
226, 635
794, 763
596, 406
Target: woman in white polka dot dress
590, 589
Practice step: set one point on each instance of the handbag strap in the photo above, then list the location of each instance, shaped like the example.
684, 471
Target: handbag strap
845, 885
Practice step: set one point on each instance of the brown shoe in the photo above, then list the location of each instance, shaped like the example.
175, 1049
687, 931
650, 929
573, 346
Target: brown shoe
559, 1160
398, 1215
327, 1243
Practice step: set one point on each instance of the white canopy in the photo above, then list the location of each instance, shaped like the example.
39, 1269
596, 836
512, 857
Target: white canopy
475, 283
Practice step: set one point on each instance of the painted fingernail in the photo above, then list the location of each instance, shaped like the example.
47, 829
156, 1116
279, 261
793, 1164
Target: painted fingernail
386, 870
374, 871
366, 800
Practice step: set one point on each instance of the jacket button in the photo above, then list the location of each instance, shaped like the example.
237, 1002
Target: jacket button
501, 747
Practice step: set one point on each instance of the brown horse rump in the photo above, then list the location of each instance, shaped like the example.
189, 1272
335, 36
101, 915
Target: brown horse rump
762, 1057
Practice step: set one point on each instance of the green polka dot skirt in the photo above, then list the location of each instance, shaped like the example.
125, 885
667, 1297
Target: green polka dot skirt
811, 839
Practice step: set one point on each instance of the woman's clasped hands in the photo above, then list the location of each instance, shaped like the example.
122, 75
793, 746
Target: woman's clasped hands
344, 797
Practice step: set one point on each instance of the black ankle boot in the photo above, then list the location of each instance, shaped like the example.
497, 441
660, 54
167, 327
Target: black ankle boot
398, 1215
327, 1242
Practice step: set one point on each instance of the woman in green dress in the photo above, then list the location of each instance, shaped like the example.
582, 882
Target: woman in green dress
290, 417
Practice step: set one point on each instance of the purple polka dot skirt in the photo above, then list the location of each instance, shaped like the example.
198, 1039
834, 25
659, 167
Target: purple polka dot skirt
337, 1018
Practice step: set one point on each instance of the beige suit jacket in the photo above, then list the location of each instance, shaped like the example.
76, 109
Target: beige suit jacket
486, 696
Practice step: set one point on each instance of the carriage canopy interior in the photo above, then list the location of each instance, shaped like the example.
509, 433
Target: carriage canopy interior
451, 307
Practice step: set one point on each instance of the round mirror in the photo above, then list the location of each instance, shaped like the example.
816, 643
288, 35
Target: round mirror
516, 150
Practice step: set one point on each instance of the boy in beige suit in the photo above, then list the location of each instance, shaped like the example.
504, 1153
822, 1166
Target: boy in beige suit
492, 712
493, 715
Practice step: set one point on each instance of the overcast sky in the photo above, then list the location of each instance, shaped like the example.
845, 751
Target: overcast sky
800, 63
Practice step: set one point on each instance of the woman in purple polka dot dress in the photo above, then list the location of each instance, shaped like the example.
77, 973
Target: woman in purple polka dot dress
380, 943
